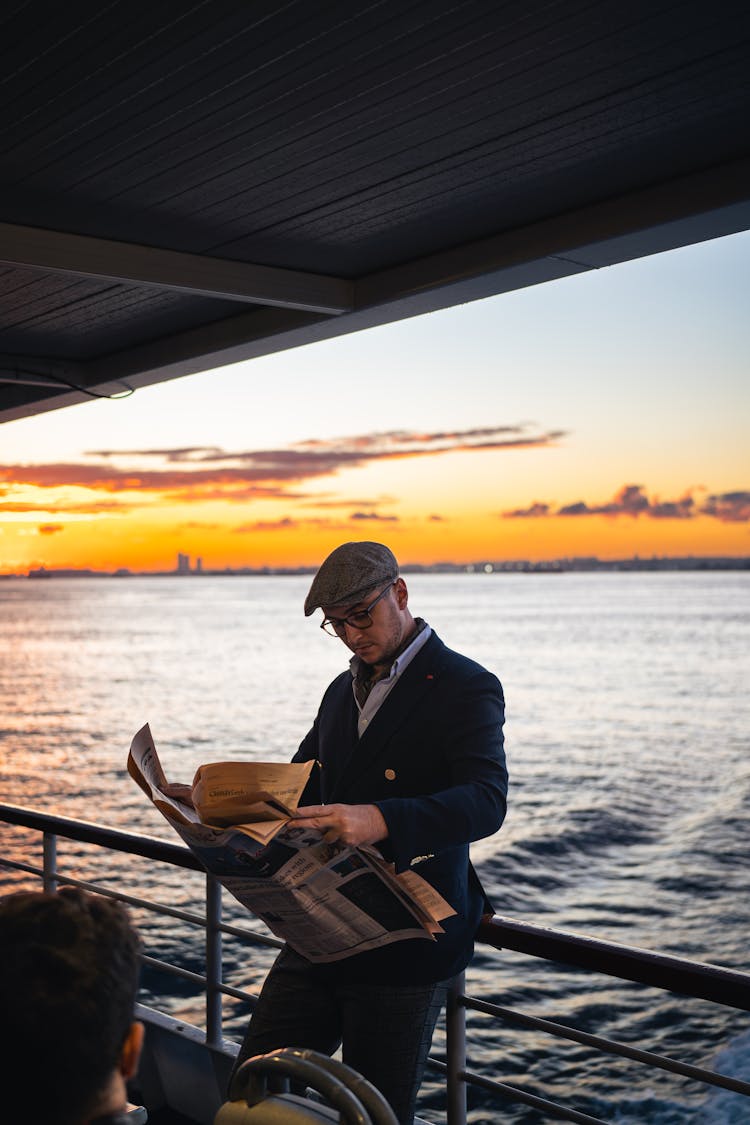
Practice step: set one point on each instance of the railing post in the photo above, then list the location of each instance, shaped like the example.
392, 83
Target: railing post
455, 1051
49, 863
213, 962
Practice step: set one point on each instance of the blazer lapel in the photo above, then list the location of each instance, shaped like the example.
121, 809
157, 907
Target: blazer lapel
416, 682
341, 740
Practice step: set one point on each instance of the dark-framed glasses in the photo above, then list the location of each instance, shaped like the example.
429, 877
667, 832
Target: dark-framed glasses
362, 619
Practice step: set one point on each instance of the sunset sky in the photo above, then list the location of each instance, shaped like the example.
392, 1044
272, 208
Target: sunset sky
605, 414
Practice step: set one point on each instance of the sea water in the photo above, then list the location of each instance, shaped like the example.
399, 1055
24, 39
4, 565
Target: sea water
629, 811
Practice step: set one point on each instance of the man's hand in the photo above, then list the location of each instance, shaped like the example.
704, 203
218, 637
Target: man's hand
351, 824
179, 792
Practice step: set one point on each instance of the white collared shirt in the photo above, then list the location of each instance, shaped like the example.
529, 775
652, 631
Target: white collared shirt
381, 688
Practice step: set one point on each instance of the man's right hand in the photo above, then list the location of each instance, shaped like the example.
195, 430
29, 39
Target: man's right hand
351, 824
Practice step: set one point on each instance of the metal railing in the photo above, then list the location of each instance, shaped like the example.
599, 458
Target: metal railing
722, 986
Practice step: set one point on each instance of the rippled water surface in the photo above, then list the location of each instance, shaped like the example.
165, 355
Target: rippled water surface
628, 740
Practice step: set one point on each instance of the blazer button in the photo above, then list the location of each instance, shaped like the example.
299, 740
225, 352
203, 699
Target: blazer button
390, 775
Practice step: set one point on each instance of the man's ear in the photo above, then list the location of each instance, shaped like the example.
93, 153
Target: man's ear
131, 1050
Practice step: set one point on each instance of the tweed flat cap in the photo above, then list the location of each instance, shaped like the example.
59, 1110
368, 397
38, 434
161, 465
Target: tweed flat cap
349, 572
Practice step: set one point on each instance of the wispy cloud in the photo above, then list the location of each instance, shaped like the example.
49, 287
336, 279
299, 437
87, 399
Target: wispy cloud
50, 528
89, 508
321, 457
324, 501
203, 473
288, 523
631, 500
534, 511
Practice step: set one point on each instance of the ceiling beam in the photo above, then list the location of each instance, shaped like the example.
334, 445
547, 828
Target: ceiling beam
691, 209
685, 211
131, 264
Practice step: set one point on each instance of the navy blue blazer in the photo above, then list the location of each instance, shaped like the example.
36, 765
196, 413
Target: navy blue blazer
432, 760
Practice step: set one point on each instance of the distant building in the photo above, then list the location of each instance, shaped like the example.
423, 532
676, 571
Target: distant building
183, 564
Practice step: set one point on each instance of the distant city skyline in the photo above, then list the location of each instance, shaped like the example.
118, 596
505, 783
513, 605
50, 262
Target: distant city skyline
186, 567
605, 414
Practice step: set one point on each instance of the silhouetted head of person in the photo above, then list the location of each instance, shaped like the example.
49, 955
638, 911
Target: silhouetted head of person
69, 967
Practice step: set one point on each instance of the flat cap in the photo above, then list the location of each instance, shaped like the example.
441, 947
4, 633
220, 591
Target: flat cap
349, 572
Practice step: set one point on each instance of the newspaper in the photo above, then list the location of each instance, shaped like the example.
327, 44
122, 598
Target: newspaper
327, 901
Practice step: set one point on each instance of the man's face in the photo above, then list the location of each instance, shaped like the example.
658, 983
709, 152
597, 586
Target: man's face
391, 623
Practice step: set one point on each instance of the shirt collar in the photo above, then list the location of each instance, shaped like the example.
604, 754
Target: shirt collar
357, 666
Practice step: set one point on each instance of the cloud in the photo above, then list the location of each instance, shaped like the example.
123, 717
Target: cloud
631, 500
328, 501
682, 509
628, 501
373, 516
286, 523
90, 508
534, 511
195, 473
106, 478
230, 493
187, 453
729, 507
435, 518
50, 528
316, 457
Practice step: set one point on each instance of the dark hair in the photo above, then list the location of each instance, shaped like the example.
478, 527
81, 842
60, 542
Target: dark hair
68, 980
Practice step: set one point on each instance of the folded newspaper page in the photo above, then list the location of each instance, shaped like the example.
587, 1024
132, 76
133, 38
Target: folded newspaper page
328, 901
257, 797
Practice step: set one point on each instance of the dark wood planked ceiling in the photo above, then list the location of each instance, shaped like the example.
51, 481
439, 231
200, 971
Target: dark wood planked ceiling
187, 184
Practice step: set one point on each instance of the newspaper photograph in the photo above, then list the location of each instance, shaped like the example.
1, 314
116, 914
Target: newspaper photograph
328, 901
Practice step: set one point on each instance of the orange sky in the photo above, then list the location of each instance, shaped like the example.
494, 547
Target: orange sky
605, 415
432, 497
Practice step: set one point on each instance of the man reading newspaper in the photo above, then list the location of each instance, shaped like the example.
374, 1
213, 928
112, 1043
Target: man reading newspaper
327, 900
410, 758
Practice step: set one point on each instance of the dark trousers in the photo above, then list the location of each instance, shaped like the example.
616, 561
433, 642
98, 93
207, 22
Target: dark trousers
385, 1029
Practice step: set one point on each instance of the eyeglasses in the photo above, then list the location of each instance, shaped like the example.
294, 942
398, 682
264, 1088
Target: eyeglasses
362, 619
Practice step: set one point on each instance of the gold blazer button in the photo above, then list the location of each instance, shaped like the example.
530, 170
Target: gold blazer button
390, 775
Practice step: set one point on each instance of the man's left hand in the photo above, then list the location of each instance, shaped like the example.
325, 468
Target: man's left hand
350, 824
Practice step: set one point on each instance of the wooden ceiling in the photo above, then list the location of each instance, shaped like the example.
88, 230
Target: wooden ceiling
186, 184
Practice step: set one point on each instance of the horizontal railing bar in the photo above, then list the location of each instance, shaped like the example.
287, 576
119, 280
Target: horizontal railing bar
514, 1093
173, 970
148, 904
198, 920
133, 900
150, 847
261, 939
674, 974
238, 994
608, 1046
197, 978
16, 866
708, 982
